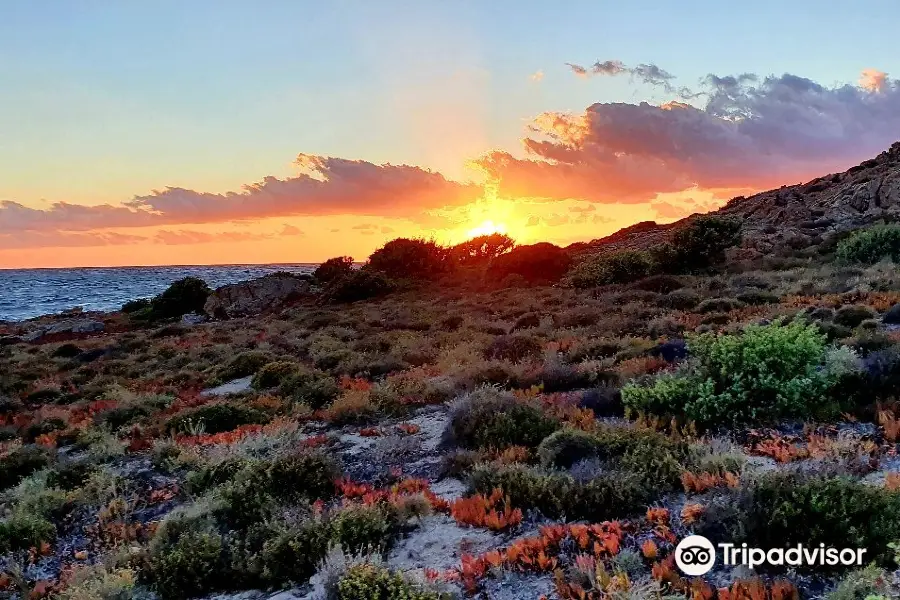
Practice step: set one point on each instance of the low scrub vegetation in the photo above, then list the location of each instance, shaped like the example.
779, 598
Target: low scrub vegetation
461, 420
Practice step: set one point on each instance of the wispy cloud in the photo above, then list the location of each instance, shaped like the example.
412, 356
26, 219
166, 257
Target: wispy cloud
645, 73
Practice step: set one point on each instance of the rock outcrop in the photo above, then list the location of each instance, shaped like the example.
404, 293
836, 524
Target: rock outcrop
64, 328
255, 296
796, 215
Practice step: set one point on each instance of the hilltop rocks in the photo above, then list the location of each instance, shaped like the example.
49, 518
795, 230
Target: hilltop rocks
792, 214
255, 296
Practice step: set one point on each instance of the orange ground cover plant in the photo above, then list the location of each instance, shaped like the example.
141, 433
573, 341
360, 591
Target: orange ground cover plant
541, 553
494, 512
700, 482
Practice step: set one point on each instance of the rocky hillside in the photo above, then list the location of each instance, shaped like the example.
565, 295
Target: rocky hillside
797, 215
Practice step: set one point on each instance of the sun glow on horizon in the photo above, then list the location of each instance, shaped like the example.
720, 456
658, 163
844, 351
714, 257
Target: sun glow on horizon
486, 227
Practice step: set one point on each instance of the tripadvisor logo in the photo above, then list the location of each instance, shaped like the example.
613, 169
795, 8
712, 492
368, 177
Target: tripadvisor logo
695, 555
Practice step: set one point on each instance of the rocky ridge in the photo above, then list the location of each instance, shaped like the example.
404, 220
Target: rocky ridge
796, 215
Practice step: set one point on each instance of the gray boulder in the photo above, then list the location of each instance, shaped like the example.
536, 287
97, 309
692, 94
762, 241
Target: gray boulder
67, 326
255, 296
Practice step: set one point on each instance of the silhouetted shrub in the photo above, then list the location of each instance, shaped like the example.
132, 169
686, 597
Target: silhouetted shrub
870, 245
333, 269
360, 284
671, 350
892, 316
187, 295
70, 475
604, 401
134, 306
404, 258
481, 249
66, 351
623, 266
537, 263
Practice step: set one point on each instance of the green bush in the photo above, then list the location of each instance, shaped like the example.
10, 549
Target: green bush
333, 269
119, 417
623, 266
192, 564
488, 418
274, 374
250, 495
870, 245
565, 447
360, 284
312, 387
701, 243
209, 476
764, 373
369, 582
70, 475
405, 258
657, 459
292, 554
786, 509
558, 495
215, 418
20, 463
244, 364
870, 583
537, 263
22, 531
362, 529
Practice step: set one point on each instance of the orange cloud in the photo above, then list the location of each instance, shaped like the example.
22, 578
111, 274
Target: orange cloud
328, 186
752, 132
873, 80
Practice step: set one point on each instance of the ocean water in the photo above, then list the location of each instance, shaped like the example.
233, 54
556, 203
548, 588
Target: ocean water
27, 293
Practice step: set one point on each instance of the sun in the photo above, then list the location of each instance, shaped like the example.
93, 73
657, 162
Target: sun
486, 228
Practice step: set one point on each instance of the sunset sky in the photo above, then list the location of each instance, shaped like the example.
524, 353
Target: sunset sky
208, 132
